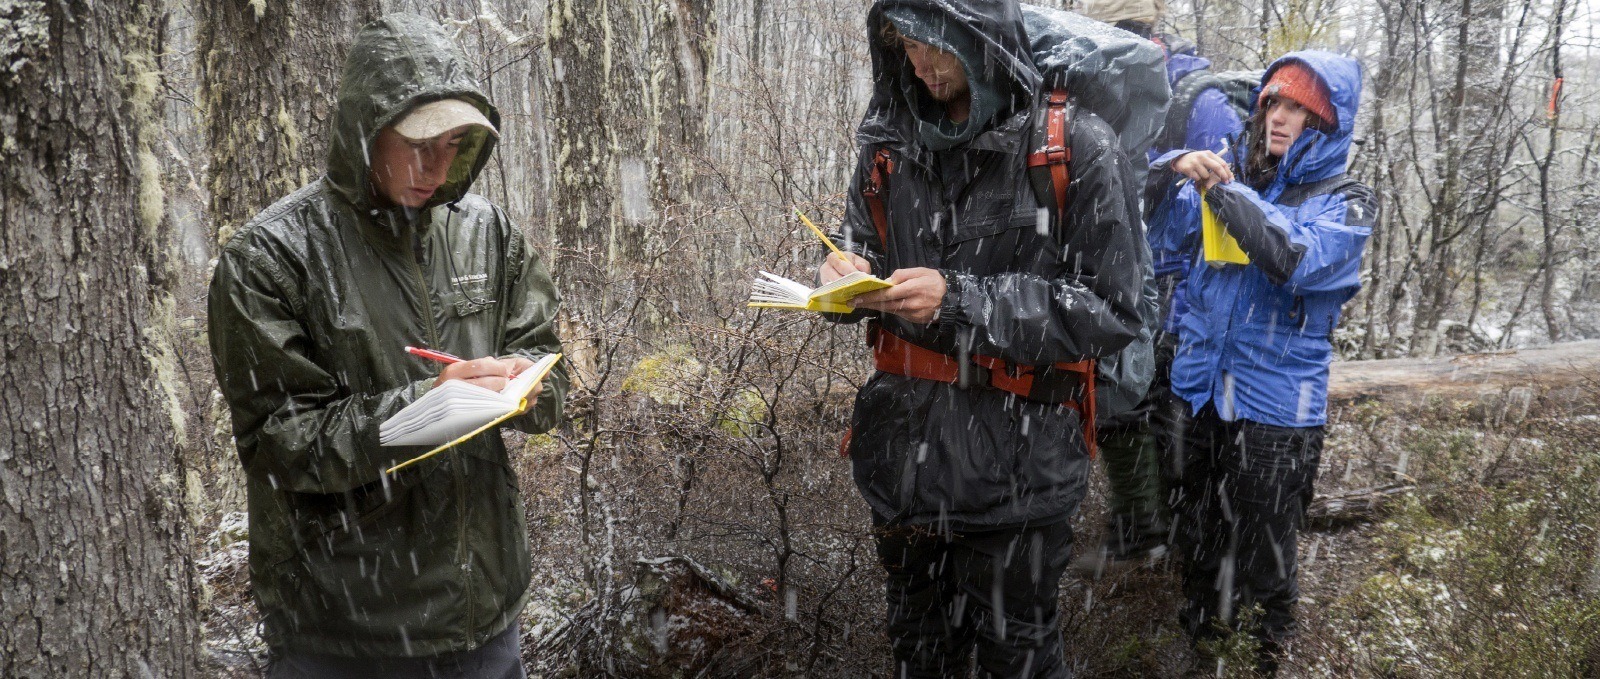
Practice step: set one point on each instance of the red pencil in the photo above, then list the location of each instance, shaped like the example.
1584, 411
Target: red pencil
432, 355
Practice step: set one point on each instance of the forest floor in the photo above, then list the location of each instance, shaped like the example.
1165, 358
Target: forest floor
1491, 567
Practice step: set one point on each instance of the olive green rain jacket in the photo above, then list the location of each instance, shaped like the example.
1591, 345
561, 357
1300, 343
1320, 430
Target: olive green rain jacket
311, 305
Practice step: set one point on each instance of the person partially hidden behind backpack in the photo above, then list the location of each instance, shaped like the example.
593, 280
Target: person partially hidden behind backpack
1251, 372
1138, 444
360, 573
967, 443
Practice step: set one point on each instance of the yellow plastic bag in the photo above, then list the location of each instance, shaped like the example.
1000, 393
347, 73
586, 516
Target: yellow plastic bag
1220, 247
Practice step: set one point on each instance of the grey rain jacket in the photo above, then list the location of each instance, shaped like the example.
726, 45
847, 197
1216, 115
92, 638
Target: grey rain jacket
926, 452
310, 307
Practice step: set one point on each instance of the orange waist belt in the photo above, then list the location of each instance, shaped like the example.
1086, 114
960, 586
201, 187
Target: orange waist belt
894, 355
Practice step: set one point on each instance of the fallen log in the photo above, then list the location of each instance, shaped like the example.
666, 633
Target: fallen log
1505, 382
1354, 506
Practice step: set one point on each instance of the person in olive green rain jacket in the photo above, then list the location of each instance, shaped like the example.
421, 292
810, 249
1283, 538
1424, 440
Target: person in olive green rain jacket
358, 573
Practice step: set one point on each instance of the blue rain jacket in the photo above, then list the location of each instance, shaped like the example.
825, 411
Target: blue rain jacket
1256, 340
1212, 123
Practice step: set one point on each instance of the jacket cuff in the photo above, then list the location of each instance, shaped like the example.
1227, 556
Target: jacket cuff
1161, 163
951, 312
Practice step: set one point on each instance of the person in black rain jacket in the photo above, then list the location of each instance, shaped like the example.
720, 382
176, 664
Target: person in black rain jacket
972, 485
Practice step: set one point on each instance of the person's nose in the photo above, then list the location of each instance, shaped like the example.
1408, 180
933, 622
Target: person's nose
436, 160
919, 65
1278, 114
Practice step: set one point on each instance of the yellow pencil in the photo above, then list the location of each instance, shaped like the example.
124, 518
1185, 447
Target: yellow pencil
825, 240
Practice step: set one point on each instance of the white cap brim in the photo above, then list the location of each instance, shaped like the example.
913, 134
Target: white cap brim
436, 118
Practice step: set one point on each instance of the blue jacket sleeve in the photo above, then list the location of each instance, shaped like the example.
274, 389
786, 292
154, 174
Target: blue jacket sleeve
1174, 229
1321, 253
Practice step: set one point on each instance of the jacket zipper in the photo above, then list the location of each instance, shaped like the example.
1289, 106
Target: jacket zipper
456, 464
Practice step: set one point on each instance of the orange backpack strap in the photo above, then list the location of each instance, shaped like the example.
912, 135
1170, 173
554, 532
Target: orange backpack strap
1070, 384
877, 186
1048, 164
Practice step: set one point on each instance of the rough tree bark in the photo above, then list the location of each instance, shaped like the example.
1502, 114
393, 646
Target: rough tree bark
681, 54
269, 73
94, 543
602, 173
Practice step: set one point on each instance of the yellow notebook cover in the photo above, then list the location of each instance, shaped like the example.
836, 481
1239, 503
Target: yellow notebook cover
1220, 246
778, 292
543, 369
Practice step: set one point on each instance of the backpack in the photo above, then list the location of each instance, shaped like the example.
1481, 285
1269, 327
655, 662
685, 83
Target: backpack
1122, 79
1238, 86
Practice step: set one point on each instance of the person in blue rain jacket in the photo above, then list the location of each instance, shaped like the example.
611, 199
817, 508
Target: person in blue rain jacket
1135, 442
1251, 371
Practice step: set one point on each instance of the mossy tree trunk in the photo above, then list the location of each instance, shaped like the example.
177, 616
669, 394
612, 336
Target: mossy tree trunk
681, 55
603, 161
269, 75
269, 78
94, 547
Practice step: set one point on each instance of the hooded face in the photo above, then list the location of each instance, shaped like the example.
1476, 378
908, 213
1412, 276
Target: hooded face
1314, 148
943, 74
396, 65
967, 64
1285, 120
407, 172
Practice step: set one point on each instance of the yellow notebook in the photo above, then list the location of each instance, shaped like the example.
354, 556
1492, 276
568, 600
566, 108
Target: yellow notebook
777, 292
456, 411
1219, 245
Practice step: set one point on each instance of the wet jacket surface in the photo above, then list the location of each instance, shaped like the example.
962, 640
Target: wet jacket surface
1256, 340
926, 452
311, 304
1212, 124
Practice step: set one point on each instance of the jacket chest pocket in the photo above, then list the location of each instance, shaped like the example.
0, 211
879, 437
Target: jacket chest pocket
468, 300
1017, 241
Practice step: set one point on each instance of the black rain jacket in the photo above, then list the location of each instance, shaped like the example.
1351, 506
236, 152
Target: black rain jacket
927, 452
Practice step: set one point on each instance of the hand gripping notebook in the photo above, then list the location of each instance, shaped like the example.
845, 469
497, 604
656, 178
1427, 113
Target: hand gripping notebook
777, 292
456, 411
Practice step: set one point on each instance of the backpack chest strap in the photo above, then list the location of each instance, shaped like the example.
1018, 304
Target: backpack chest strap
1049, 164
877, 186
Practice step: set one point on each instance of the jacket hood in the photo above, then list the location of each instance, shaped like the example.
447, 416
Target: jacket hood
397, 63
1318, 155
988, 36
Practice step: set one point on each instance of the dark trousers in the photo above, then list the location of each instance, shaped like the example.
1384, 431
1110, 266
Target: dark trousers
1135, 448
1239, 493
500, 658
990, 590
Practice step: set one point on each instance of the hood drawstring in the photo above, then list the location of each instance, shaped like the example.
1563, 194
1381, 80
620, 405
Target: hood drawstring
469, 302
